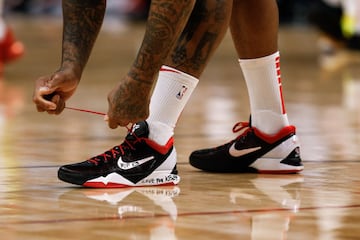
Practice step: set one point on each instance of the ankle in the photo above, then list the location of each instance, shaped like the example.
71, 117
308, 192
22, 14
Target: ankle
160, 132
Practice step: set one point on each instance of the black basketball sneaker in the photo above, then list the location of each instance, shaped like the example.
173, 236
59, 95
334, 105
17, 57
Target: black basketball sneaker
138, 161
252, 151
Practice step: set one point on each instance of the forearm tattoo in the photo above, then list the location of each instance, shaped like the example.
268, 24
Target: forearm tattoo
82, 23
165, 23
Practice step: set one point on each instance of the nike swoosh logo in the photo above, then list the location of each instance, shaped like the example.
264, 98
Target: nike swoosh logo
130, 165
238, 153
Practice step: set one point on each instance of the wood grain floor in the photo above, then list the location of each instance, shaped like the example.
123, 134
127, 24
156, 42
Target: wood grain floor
320, 203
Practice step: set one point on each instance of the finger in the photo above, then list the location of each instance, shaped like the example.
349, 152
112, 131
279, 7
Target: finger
40, 109
124, 123
54, 98
60, 104
42, 98
42, 106
51, 112
110, 121
112, 124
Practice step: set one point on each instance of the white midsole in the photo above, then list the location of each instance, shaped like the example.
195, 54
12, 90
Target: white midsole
271, 160
162, 175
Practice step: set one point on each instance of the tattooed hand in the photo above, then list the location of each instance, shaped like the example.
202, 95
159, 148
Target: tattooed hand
128, 102
51, 92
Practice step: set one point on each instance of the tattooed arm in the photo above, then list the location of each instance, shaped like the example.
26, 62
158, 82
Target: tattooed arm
129, 100
82, 23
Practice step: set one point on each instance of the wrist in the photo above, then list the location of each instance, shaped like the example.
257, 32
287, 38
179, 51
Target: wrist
140, 79
73, 69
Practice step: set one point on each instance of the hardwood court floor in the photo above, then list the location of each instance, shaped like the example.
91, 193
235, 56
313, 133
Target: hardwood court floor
320, 203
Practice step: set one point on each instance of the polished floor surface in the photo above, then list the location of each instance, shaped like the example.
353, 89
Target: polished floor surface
320, 203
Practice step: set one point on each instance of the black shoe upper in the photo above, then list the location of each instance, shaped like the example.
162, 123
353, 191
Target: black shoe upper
133, 150
220, 159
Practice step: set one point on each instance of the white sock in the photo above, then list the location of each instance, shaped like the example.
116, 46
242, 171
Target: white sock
171, 93
263, 80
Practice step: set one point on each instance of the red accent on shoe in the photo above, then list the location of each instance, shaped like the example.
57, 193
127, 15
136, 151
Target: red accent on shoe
267, 138
278, 73
103, 185
160, 148
273, 138
116, 185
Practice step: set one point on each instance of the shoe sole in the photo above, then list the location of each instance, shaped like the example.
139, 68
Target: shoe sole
114, 180
282, 159
268, 164
163, 175
272, 166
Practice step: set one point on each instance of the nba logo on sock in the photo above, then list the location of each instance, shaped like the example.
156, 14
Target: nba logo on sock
181, 92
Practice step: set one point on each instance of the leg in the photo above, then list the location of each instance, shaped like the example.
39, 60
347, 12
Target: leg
254, 27
257, 48
201, 36
179, 75
269, 144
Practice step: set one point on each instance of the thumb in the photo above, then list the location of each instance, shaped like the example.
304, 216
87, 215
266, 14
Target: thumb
48, 94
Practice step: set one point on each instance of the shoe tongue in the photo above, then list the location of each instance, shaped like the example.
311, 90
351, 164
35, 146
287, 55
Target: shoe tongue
139, 129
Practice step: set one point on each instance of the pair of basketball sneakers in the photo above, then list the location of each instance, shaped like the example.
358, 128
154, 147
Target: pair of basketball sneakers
139, 161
